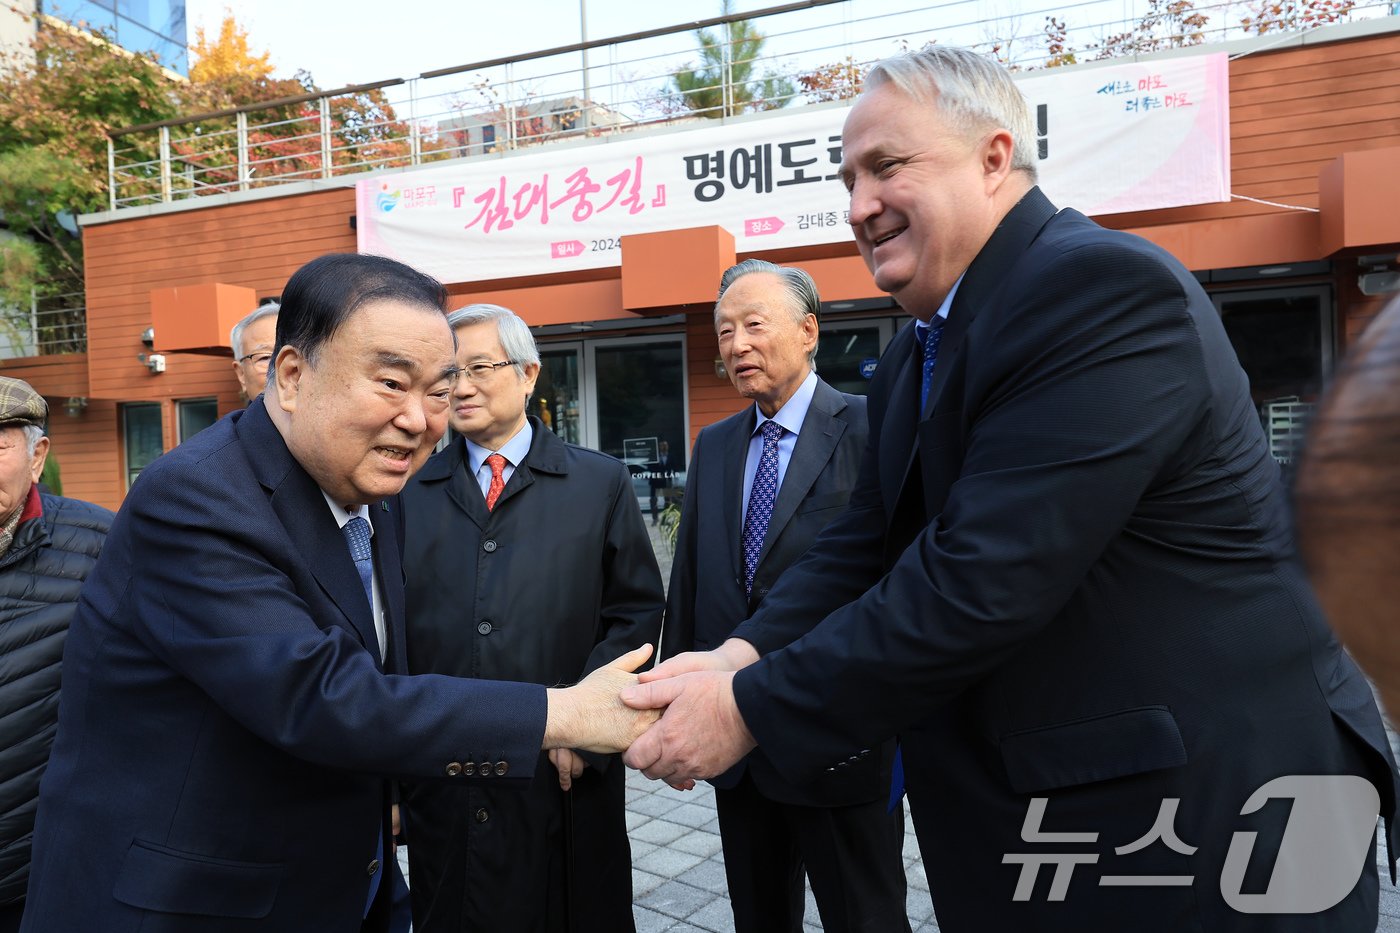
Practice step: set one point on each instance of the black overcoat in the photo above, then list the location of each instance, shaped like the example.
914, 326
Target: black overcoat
558, 579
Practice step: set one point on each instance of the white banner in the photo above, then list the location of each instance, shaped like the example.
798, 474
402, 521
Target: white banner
1129, 137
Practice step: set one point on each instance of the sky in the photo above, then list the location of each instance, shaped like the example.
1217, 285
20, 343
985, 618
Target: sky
343, 42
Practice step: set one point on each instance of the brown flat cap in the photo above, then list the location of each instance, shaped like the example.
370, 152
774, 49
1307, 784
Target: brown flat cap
20, 404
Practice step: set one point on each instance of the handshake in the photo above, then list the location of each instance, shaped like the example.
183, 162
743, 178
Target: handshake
676, 723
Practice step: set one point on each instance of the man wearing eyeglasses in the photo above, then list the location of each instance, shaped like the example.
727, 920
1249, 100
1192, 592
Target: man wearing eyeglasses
252, 340
526, 559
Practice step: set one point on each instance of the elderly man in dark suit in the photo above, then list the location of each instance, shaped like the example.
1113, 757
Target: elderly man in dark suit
527, 559
1066, 577
762, 483
230, 703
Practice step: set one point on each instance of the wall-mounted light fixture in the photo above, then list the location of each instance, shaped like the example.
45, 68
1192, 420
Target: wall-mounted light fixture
720, 371
148, 337
155, 362
75, 406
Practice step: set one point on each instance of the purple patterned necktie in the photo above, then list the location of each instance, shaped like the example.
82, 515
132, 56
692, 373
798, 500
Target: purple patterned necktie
761, 496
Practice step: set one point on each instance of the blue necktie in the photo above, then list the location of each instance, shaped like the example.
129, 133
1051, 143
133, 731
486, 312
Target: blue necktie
933, 333
357, 536
761, 498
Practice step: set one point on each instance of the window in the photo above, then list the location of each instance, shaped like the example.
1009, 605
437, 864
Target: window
1283, 338
141, 437
847, 353
194, 415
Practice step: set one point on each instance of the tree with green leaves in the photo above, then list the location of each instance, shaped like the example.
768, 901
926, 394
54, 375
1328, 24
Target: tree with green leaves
55, 112
726, 81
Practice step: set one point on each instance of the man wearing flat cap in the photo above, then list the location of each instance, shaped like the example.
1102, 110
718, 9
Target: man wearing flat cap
47, 546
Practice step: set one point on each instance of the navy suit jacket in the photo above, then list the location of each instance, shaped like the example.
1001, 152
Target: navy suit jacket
1069, 577
225, 723
706, 598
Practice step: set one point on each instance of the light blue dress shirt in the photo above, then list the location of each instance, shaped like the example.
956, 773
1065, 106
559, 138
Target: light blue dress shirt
790, 416
514, 450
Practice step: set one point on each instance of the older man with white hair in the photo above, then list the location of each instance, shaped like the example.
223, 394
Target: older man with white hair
526, 559
47, 546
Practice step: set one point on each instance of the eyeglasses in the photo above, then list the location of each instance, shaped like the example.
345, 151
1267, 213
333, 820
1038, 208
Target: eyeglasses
480, 372
259, 359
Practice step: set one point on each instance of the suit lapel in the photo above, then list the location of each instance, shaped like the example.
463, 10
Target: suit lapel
302, 510
901, 416
390, 569
821, 432
452, 467
734, 453
984, 278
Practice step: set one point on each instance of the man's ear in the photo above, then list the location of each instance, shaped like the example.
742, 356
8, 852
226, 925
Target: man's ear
288, 369
997, 159
36, 463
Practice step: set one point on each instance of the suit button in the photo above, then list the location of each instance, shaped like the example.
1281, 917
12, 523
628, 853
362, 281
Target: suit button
501, 768
483, 627
373, 866
482, 816
489, 545
484, 769
453, 768
469, 768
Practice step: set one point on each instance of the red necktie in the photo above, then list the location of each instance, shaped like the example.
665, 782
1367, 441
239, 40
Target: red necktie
498, 479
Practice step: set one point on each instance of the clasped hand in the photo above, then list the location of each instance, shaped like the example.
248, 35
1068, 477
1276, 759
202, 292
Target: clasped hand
701, 733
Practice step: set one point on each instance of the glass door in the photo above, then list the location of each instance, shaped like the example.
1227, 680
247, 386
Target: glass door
557, 401
638, 402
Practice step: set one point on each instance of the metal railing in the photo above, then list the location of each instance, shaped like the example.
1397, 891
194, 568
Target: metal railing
812, 51
51, 324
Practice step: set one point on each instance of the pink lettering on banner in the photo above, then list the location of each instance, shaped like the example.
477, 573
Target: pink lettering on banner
633, 201
493, 208
504, 203
565, 249
580, 187
538, 194
762, 226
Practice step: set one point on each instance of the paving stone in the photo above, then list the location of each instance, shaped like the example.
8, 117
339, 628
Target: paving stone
691, 815
715, 916
709, 875
654, 805
659, 832
699, 842
668, 862
649, 921
675, 899
644, 881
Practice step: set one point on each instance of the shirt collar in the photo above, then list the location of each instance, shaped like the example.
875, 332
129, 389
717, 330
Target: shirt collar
514, 450
792, 414
343, 515
943, 309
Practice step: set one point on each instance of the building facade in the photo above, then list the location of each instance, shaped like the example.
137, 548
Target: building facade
1298, 260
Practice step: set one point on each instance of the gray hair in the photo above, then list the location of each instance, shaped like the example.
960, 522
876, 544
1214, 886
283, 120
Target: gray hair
802, 292
512, 331
32, 433
235, 337
975, 94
